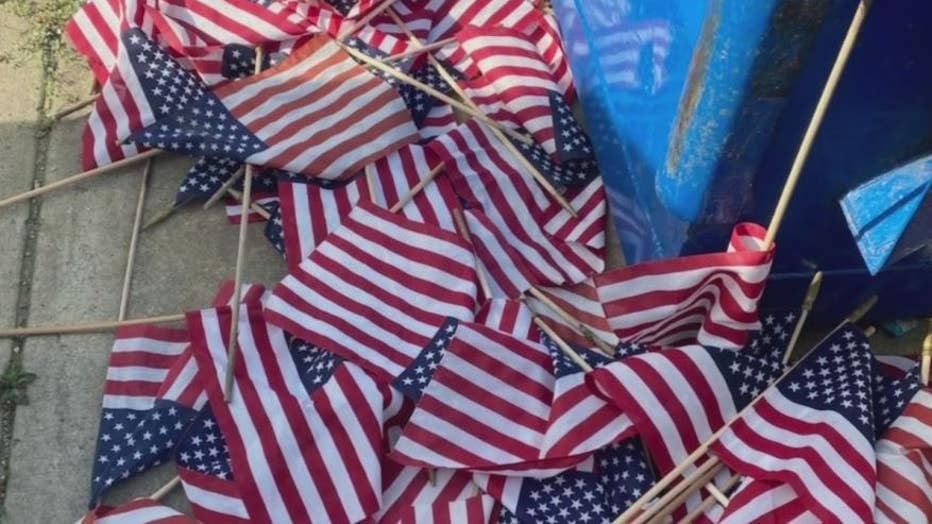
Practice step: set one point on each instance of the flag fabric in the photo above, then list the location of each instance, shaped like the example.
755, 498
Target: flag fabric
490, 183
205, 178
709, 299
814, 431
591, 221
762, 501
260, 200
287, 446
770, 342
486, 408
509, 316
94, 31
284, 117
137, 432
417, 375
274, 228
904, 464
140, 511
891, 394
677, 398
409, 495
511, 63
619, 476
581, 421
450, 16
377, 289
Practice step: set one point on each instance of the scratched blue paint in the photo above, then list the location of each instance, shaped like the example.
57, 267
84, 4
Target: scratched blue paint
888, 215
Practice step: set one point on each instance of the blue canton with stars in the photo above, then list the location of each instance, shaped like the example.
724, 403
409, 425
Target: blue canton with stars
412, 381
203, 448
837, 376
771, 341
563, 365
621, 475
570, 173
274, 232
572, 143
890, 396
131, 441
343, 6
190, 119
315, 365
239, 61
208, 175
747, 376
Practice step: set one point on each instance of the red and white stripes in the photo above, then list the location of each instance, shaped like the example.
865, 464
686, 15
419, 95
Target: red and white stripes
140, 361
904, 465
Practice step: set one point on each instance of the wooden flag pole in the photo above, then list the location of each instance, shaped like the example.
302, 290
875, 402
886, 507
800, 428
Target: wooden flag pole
815, 122
464, 231
424, 48
704, 475
166, 489
677, 472
134, 239
240, 256
564, 347
374, 12
362, 57
811, 294
422, 183
254, 207
222, 190
925, 370
41, 190
77, 106
93, 327
370, 184
497, 130
577, 325
710, 500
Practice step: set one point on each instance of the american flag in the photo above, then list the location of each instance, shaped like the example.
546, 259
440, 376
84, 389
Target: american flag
677, 398
904, 464
274, 228
204, 178
319, 457
450, 16
412, 381
567, 174
815, 431
511, 63
581, 421
140, 511
891, 393
137, 432
762, 501
203, 462
510, 316
410, 496
377, 289
285, 117
710, 299
487, 179
486, 408
591, 220
770, 342
94, 31
619, 476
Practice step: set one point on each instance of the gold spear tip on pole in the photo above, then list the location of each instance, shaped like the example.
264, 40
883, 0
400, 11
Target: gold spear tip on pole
927, 342
813, 292
862, 310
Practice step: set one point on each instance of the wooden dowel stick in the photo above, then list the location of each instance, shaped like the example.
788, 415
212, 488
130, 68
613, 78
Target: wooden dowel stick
374, 12
496, 130
77, 106
370, 184
688, 462
41, 190
925, 370
166, 489
425, 48
578, 326
362, 57
93, 327
564, 347
720, 497
663, 509
464, 231
256, 208
710, 500
417, 188
163, 215
226, 186
808, 301
815, 122
133, 240
240, 257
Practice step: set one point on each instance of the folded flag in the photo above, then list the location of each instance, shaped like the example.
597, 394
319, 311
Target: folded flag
283, 117
490, 181
311, 210
377, 290
137, 432
591, 221
619, 476
486, 408
581, 421
94, 31
904, 464
709, 299
891, 395
771, 341
511, 63
205, 178
412, 495
140, 511
510, 316
296, 456
762, 501
450, 16
815, 431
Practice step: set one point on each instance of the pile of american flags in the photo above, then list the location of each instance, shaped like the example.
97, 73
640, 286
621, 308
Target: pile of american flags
448, 344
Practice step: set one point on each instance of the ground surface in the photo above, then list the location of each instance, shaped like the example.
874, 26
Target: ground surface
62, 259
